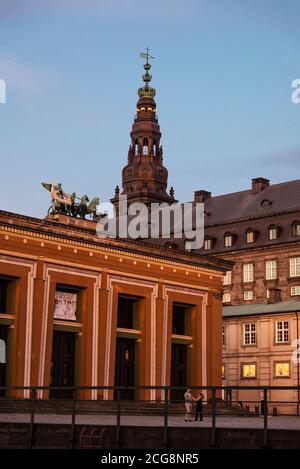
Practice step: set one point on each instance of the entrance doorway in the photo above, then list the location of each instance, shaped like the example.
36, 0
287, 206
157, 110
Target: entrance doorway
178, 370
62, 364
3, 358
125, 370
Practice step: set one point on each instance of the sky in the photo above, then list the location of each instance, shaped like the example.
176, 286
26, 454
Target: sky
222, 70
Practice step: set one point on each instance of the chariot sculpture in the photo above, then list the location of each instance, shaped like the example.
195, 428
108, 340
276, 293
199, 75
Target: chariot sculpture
70, 204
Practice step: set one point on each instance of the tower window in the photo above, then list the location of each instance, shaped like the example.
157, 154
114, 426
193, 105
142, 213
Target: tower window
145, 147
154, 147
136, 148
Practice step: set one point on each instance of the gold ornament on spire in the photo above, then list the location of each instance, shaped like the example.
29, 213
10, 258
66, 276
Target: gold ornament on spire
146, 91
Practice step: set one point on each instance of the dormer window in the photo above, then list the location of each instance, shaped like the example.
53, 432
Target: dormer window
208, 244
266, 203
228, 240
250, 236
273, 232
296, 228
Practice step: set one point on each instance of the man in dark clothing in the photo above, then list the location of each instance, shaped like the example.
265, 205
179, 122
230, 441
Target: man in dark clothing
199, 407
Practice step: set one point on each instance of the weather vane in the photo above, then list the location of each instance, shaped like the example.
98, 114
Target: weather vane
146, 55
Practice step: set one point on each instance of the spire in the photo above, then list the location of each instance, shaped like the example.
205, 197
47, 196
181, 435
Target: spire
146, 91
144, 178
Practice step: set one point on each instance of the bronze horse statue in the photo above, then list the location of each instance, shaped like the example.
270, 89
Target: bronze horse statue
66, 204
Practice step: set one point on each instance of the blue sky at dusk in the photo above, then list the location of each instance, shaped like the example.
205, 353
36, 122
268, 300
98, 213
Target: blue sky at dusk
223, 71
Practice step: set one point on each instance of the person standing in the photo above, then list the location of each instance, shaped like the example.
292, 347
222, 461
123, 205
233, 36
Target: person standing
188, 400
199, 407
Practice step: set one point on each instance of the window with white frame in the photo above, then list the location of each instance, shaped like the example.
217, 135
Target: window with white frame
271, 270
248, 273
227, 278
223, 335
295, 290
227, 297
249, 334
296, 228
248, 295
207, 244
282, 332
250, 236
273, 232
228, 240
295, 267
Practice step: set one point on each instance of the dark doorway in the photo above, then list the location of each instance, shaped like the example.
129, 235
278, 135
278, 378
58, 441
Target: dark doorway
3, 358
63, 364
124, 371
178, 370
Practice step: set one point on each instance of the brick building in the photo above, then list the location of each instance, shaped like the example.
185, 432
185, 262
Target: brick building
258, 229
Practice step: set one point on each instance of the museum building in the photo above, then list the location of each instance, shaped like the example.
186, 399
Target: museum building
79, 310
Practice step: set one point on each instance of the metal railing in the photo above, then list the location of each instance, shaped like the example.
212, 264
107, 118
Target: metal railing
214, 406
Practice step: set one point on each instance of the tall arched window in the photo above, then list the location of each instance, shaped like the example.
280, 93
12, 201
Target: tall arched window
136, 148
154, 147
145, 147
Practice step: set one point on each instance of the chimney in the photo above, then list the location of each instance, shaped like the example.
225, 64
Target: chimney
201, 196
274, 295
258, 184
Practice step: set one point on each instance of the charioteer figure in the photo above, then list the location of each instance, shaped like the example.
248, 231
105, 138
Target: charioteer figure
66, 204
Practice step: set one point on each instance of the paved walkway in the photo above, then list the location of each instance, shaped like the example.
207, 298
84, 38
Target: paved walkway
278, 422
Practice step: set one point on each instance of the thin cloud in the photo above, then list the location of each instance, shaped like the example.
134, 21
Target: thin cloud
289, 157
17, 75
25, 78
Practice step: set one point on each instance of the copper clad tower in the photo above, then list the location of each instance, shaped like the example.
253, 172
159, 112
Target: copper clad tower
144, 178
